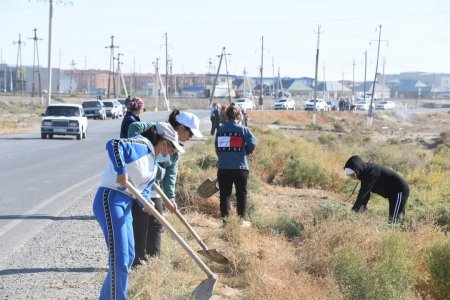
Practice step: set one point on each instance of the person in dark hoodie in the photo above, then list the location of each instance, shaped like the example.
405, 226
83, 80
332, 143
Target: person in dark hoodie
379, 180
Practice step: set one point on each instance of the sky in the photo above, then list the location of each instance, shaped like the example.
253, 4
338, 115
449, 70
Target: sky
415, 35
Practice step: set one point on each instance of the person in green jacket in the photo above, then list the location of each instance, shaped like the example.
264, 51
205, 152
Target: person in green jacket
147, 229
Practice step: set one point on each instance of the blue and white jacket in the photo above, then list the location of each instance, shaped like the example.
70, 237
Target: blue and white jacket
132, 156
233, 143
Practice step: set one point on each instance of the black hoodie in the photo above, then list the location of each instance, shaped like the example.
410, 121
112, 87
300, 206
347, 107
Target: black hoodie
376, 179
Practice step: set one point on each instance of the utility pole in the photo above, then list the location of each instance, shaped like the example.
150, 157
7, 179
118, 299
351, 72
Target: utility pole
111, 67
273, 79
365, 74
49, 63
370, 114
58, 86
118, 79
72, 77
315, 77
19, 72
217, 76
342, 85
155, 83
228, 75
35, 57
353, 82
134, 76
261, 88
383, 81
167, 69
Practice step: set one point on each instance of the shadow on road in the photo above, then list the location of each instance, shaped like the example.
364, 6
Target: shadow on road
45, 217
7, 272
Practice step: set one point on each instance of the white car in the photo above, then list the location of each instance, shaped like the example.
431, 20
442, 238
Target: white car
113, 108
385, 105
245, 103
284, 103
320, 105
64, 119
362, 105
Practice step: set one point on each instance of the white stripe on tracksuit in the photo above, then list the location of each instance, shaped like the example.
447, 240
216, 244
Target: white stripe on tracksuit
397, 207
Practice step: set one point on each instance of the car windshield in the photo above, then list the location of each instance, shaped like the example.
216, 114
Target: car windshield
108, 104
91, 104
62, 111
122, 101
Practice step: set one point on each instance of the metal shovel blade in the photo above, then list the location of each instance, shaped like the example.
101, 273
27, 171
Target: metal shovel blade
205, 289
214, 255
208, 188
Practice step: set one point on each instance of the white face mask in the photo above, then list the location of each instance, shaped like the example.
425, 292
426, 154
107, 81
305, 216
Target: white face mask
161, 158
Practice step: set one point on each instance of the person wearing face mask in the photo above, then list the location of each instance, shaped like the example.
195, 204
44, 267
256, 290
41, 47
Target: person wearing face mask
147, 234
131, 160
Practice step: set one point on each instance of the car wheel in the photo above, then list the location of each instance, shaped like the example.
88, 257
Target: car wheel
84, 134
79, 136
43, 136
50, 136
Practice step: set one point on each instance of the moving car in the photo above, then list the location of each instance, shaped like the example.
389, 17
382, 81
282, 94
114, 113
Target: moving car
284, 103
385, 105
245, 103
113, 108
64, 119
94, 109
320, 104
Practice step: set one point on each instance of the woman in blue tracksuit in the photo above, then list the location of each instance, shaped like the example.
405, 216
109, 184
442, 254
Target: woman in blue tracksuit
233, 144
131, 160
147, 229
380, 180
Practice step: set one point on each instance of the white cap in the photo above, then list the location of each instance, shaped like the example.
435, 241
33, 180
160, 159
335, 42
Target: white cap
191, 121
349, 171
166, 131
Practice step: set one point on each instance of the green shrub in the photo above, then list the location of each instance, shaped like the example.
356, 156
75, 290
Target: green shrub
438, 263
388, 276
303, 172
280, 225
338, 127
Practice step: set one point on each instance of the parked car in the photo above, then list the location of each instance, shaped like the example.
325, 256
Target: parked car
113, 109
332, 105
94, 109
124, 107
64, 119
320, 104
284, 103
245, 103
362, 105
385, 105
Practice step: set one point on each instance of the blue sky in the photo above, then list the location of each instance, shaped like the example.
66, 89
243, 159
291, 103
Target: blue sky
415, 34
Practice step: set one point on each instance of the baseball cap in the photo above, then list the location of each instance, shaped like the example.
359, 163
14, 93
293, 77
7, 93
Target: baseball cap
349, 171
191, 121
166, 131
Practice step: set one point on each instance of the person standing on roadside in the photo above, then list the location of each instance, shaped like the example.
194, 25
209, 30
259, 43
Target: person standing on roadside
147, 229
379, 180
215, 117
233, 144
135, 109
131, 160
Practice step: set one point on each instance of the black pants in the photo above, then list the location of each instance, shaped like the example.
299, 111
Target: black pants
147, 231
397, 205
226, 178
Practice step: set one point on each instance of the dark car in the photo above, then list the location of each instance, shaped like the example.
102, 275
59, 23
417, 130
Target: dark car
94, 109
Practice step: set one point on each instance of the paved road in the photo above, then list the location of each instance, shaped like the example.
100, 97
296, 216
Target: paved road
41, 178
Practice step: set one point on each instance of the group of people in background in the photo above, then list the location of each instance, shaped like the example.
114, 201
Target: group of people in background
148, 153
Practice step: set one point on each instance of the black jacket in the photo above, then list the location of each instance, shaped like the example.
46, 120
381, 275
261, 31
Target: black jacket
376, 179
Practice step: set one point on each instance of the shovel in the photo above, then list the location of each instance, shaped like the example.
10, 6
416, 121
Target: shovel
208, 188
212, 254
205, 289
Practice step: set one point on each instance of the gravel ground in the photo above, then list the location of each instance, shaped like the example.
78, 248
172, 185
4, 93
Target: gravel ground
66, 260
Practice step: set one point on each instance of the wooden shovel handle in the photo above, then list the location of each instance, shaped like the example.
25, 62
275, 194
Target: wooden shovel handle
182, 219
172, 231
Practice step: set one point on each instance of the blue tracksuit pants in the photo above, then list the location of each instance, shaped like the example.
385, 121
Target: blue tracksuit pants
112, 209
